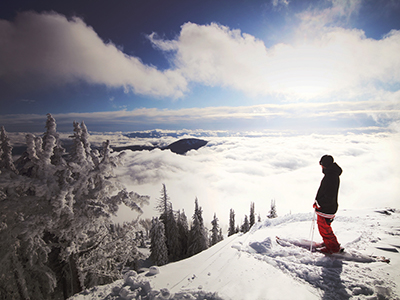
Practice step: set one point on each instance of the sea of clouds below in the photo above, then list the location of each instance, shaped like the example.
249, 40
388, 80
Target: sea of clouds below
233, 171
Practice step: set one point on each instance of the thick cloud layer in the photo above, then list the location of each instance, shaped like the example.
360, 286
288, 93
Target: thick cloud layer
49, 49
233, 172
334, 61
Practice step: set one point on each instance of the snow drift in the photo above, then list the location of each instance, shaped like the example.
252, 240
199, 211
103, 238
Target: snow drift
254, 266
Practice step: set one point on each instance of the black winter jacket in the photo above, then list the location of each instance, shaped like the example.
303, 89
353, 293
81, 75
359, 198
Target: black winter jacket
327, 195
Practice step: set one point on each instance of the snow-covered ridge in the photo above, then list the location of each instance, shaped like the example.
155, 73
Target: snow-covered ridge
236, 269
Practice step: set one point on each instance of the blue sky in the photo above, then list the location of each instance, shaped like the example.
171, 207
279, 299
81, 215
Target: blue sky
229, 65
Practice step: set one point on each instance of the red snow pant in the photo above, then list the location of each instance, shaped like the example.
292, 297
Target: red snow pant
325, 229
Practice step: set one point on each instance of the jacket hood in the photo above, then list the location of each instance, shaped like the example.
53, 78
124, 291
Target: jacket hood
333, 169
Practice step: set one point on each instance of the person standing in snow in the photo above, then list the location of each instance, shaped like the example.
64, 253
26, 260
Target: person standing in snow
326, 203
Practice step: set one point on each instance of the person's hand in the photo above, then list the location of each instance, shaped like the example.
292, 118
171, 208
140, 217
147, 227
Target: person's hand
315, 205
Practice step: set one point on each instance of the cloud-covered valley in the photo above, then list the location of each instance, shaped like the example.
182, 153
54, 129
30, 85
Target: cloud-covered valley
231, 172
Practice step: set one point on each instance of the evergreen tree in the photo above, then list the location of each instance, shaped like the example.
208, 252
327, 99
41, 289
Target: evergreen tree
272, 213
164, 204
231, 229
78, 154
172, 235
245, 226
6, 161
183, 229
158, 247
198, 240
215, 231
252, 215
51, 136
146, 224
85, 140
199, 212
56, 228
220, 236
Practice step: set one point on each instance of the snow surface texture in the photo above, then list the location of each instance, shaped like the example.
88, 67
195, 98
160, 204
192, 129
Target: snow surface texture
254, 266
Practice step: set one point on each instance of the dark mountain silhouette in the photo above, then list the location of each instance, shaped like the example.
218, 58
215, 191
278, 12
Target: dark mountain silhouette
184, 145
179, 147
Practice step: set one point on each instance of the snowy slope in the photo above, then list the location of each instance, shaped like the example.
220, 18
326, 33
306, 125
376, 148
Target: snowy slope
253, 266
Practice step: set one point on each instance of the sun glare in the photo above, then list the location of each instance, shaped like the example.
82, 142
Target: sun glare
308, 70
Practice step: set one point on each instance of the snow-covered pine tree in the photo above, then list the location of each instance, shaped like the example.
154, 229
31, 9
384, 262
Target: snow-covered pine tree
85, 141
231, 229
146, 224
26, 164
164, 206
220, 236
252, 215
158, 247
198, 240
97, 196
172, 235
183, 229
55, 220
272, 213
27, 213
51, 133
245, 226
77, 153
216, 234
6, 160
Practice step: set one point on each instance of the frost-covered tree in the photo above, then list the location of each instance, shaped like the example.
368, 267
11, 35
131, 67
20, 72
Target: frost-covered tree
6, 160
252, 215
146, 224
216, 234
246, 225
164, 206
51, 136
172, 235
55, 220
231, 229
183, 230
198, 240
220, 236
158, 247
272, 213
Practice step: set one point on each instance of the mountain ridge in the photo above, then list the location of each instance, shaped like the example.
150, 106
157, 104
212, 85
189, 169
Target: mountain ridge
181, 146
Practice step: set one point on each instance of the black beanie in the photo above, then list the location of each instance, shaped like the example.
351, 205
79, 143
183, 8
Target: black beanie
326, 161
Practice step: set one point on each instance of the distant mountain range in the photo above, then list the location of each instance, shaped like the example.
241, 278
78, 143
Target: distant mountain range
158, 133
179, 147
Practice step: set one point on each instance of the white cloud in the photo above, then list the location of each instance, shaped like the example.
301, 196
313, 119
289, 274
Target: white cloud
336, 12
302, 117
278, 3
332, 62
336, 61
49, 49
232, 172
